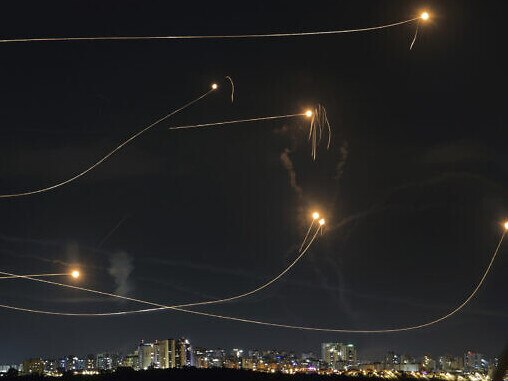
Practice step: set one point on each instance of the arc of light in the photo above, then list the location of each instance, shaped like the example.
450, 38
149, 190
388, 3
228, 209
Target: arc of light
163, 307
264, 323
33, 276
209, 37
235, 121
307, 235
111, 153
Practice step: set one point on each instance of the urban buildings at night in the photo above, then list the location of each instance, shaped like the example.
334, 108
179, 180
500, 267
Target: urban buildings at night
335, 358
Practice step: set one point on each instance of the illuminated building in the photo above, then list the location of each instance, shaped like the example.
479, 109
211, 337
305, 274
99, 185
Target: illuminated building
90, 363
427, 364
131, 361
338, 356
161, 354
32, 366
145, 355
107, 361
451, 364
392, 361
183, 353
474, 362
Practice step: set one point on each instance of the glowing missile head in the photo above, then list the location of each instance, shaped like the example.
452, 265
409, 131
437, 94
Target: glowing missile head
424, 16
309, 113
315, 215
215, 86
322, 221
75, 274
506, 225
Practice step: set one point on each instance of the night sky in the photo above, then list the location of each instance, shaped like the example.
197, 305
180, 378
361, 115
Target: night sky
414, 187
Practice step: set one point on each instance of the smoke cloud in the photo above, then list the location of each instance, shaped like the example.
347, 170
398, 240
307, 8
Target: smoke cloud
120, 268
287, 163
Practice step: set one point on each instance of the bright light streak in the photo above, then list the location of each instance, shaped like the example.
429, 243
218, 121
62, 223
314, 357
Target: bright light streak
425, 16
109, 154
209, 37
244, 320
315, 215
75, 274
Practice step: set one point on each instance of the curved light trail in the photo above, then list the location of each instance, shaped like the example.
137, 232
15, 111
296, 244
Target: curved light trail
210, 37
111, 153
260, 322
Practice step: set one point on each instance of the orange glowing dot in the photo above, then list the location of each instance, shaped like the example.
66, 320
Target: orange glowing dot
308, 113
425, 16
315, 215
506, 225
214, 86
75, 274
322, 221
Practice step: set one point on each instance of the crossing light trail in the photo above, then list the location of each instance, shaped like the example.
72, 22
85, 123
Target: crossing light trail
214, 301
111, 153
317, 117
75, 274
264, 323
216, 36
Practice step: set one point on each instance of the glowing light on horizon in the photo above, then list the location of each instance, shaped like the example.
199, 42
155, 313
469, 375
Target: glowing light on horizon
425, 16
308, 113
215, 86
315, 215
75, 274
506, 225
322, 221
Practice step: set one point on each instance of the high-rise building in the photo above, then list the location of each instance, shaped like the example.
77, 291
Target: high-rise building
183, 353
146, 355
162, 354
339, 356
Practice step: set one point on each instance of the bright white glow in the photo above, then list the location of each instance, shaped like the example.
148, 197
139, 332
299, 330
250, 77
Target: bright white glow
506, 225
425, 16
322, 221
308, 113
214, 86
315, 215
75, 274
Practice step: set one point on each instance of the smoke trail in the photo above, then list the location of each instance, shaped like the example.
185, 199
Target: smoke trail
343, 156
287, 163
120, 268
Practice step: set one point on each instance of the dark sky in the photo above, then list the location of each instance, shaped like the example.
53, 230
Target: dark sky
417, 165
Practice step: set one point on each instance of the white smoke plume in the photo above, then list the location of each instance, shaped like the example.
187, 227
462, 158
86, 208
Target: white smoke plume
120, 268
287, 163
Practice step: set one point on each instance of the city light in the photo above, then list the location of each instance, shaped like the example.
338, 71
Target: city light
214, 86
322, 221
75, 274
425, 16
308, 113
315, 215
506, 225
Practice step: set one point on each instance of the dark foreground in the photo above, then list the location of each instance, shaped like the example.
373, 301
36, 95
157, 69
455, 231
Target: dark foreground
192, 374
